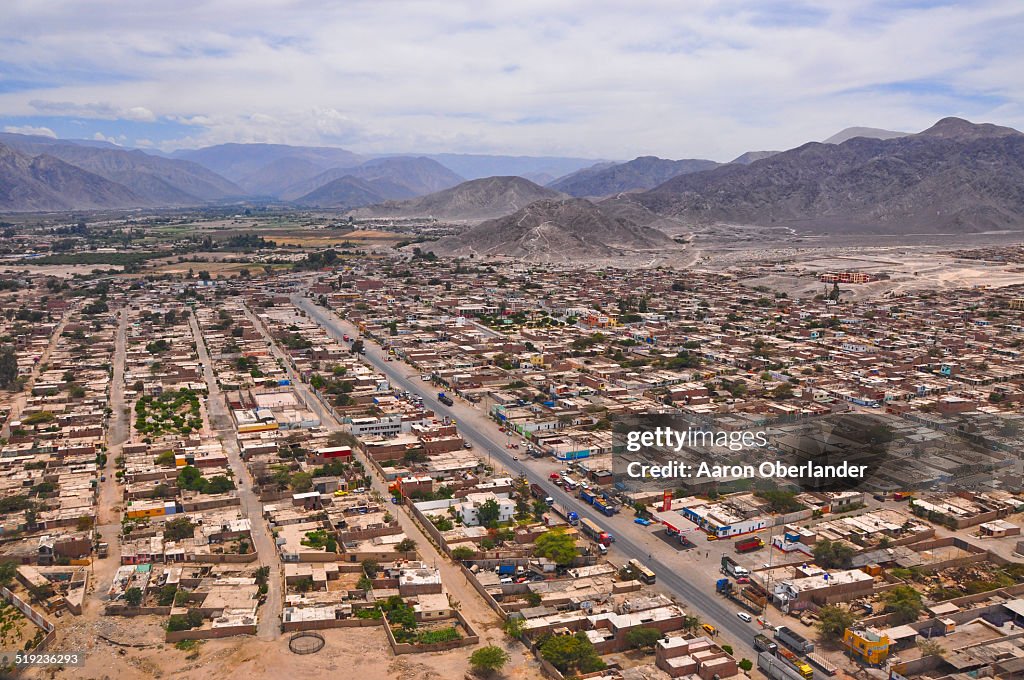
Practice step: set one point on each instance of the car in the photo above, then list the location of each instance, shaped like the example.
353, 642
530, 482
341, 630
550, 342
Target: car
425, 378
743, 579
744, 616
394, 500
643, 521
515, 457
467, 445
709, 629
506, 580
553, 476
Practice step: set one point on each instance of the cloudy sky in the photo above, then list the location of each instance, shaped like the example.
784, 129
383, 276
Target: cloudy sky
594, 78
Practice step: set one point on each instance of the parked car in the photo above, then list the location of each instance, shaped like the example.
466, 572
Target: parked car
643, 521
553, 476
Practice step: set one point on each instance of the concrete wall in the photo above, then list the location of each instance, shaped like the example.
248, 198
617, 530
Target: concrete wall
209, 633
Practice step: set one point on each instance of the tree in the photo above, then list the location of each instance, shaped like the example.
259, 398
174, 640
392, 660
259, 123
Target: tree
905, 602
179, 528
833, 620
556, 545
929, 647
405, 545
8, 570
571, 654
514, 626
643, 637
463, 553
489, 659
489, 513
745, 665
832, 554
8, 366
133, 596
165, 459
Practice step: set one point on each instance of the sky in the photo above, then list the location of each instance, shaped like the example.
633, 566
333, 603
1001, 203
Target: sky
587, 78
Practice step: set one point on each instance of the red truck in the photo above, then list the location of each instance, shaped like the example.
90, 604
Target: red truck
750, 544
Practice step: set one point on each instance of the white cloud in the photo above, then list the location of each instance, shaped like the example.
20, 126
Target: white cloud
707, 78
119, 140
30, 130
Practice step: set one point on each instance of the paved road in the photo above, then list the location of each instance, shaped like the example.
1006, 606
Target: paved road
697, 592
473, 607
269, 627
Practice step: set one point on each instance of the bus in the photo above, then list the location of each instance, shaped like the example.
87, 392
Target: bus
642, 572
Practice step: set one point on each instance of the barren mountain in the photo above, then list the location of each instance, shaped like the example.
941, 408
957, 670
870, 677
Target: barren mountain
156, 180
238, 162
955, 176
45, 183
751, 156
645, 172
414, 176
557, 230
869, 132
353, 192
478, 199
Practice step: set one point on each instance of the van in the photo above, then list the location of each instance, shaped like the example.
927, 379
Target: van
602, 548
506, 580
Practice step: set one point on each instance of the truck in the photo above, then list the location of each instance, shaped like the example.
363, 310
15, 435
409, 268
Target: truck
444, 399
732, 568
775, 668
537, 491
762, 643
604, 508
595, 532
794, 640
723, 586
587, 497
795, 662
750, 544
505, 569
822, 664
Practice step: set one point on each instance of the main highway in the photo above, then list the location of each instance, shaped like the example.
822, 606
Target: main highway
694, 589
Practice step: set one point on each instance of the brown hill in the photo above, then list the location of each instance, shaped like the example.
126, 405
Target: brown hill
45, 183
475, 200
557, 230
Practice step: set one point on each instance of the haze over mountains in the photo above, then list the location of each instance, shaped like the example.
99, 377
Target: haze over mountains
645, 172
955, 176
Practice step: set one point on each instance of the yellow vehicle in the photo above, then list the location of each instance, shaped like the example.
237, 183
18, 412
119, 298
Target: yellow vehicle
709, 629
339, 492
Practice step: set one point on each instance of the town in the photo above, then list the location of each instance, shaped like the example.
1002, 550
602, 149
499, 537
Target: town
284, 457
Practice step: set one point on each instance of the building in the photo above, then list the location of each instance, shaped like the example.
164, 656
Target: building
868, 645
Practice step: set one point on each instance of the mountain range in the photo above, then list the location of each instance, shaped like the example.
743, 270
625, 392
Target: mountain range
955, 176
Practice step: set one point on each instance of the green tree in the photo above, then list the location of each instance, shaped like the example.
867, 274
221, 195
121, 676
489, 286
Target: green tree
133, 596
463, 553
832, 554
745, 665
556, 545
489, 513
405, 545
514, 626
905, 602
643, 637
571, 654
488, 660
178, 529
833, 620
165, 459
8, 570
8, 366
